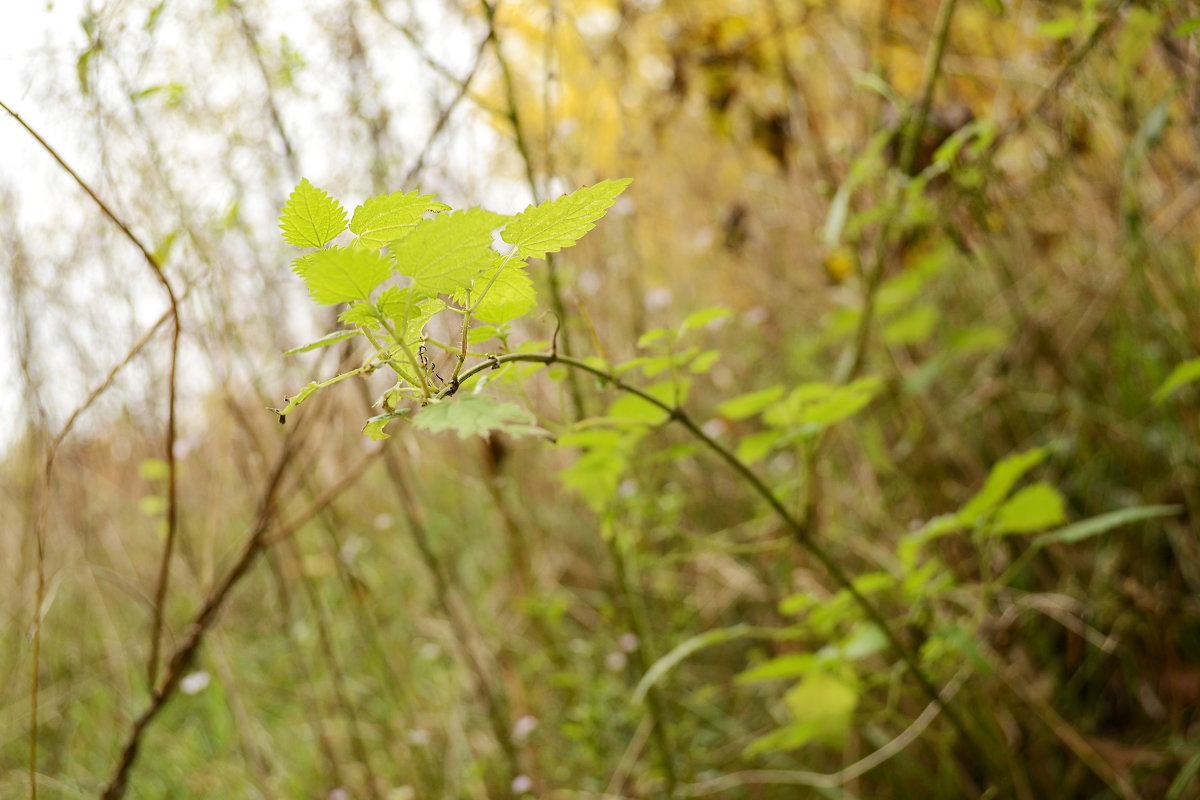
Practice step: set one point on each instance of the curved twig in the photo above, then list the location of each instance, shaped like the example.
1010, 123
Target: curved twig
172, 513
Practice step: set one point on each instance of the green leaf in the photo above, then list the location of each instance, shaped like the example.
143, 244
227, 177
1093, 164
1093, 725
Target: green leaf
390, 217
823, 707
374, 429
296, 399
394, 303
311, 218
448, 252
324, 341
865, 640
1061, 28
706, 316
634, 408
785, 667
999, 483
1033, 508
342, 274
1182, 375
1095, 526
747, 405
827, 703
361, 315
754, 447
914, 327
1187, 28
476, 415
704, 362
511, 295
813, 406
555, 224
650, 337
153, 469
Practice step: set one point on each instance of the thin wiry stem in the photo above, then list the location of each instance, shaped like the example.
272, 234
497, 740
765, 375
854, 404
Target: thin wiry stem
261, 535
514, 117
172, 514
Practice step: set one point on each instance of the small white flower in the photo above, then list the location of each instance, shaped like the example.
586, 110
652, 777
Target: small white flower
521, 784
659, 297
615, 661
195, 682
628, 642
523, 727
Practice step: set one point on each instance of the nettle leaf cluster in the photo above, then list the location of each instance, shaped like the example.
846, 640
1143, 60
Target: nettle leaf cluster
412, 259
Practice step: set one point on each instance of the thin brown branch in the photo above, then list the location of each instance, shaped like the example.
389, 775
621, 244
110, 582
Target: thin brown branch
172, 512
251, 38
464, 87
261, 536
523, 149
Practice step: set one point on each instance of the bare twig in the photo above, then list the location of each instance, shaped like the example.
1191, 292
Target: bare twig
464, 87
251, 38
514, 117
172, 514
260, 537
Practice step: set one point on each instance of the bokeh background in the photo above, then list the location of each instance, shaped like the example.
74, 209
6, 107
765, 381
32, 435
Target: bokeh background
443, 618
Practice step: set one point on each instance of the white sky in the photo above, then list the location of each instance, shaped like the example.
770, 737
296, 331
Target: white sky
38, 37
29, 26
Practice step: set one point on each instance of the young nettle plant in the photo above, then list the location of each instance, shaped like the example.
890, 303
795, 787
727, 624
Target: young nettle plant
450, 264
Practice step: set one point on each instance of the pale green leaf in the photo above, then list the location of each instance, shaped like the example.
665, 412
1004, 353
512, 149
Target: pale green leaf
311, 218
865, 640
747, 405
703, 317
650, 337
476, 415
634, 408
1061, 28
1033, 508
756, 446
555, 224
510, 297
324, 341
374, 429
912, 328
823, 707
1182, 375
1086, 529
342, 275
1187, 27
361, 315
153, 469
825, 701
448, 252
390, 217
704, 362
999, 483
785, 667
394, 304
813, 406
